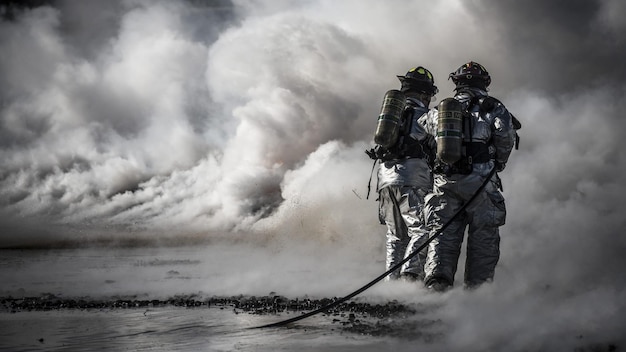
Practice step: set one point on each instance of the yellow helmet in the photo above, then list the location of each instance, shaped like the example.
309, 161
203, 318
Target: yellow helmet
418, 79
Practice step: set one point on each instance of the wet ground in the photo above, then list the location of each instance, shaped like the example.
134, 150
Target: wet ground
190, 323
140, 299
213, 298
351, 317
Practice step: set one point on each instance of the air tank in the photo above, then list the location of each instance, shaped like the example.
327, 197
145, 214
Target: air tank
388, 127
449, 130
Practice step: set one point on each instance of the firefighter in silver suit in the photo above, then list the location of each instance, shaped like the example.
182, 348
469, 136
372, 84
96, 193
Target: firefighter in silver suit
404, 178
489, 135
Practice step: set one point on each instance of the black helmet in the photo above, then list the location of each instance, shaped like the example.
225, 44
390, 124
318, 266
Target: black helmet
418, 79
471, 74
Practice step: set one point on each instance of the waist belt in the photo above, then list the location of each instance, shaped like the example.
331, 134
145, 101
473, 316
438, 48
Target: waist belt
416, 153
475, 153
408, 149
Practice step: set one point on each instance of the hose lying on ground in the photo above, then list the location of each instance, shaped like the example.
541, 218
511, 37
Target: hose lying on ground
383, 275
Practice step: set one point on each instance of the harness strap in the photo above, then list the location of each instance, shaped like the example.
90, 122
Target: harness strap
369, 183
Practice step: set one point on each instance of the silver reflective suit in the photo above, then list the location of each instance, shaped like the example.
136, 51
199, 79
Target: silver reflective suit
485, 214
402, 186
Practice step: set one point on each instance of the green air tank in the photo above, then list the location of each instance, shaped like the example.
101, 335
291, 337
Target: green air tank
389, 120
449, 130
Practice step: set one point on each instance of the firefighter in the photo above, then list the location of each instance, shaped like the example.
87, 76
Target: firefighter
484, 140
404, 175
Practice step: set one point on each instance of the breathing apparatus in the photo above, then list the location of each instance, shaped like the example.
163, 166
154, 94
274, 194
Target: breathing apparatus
450, 131
456, 149
454, 155
389, 119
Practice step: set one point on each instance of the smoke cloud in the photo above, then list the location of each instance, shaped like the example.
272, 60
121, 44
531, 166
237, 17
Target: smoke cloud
128, 119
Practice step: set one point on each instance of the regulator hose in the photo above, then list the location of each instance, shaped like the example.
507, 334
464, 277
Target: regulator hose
395, 267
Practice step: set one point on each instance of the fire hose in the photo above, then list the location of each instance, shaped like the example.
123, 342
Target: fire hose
395, 267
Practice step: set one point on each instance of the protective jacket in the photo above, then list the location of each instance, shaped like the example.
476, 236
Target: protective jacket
489, 135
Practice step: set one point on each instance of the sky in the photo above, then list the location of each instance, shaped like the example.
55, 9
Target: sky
127, 120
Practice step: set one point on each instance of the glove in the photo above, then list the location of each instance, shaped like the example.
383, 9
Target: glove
499, 166
371, 153
376, 152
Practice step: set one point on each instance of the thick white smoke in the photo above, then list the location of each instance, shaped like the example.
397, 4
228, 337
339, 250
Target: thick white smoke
82, 135
164, 122
183, 119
